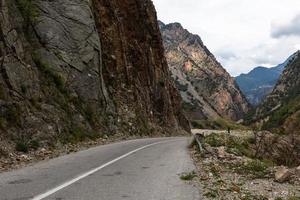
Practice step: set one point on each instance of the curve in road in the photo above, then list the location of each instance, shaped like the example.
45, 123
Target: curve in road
136, 170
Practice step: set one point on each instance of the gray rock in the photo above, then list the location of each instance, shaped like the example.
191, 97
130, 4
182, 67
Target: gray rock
282, 174
72, 46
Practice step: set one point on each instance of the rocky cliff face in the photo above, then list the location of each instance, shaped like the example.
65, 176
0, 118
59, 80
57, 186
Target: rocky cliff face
72, 69
207, 89
281, 109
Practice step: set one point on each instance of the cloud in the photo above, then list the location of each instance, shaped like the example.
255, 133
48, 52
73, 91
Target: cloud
226, 54
266, 54
291, 28
263, 59
238, 32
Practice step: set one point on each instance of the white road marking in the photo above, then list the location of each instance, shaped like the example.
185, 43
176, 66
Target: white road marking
70, 182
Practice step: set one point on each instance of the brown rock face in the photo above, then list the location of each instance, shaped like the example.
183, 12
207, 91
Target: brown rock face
207, 89
72, 72
134, 64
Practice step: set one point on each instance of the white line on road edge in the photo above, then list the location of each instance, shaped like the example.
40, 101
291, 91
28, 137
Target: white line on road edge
70, 182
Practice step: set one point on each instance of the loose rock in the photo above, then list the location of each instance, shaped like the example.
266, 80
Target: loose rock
282, 174
221, 152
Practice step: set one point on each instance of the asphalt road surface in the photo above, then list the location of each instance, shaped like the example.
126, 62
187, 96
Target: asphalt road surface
146, 169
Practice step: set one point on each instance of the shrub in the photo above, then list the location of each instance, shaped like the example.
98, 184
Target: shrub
294, 198
90, 115
279, 116
278, 198
188, 176
212, 194
28, 10
49, 73
2, 92
3, 153
239, 147
2, 123
215, 140
161, 83
23, 89
34, 144
13, 115
219, 124
22, 147
77, 135
256, 168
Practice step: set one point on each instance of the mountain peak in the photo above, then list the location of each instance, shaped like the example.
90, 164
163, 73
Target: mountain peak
161, 24
177, 33
281, 108
208, 91
260, 81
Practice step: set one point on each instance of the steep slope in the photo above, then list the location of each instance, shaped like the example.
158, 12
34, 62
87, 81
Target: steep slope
281, 109
134, 65
76, 69
207, 89
260, 81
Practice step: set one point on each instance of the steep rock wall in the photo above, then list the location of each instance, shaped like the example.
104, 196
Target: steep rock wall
134, 63
72, 69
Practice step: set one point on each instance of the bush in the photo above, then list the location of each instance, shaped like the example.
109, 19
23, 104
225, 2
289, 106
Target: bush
239, 147
34, 144
212, 194
218, 124
233, 144
188, 176
49, 73
22, 147
77, 135
13, 114
294, 198
2, 123
2, 92
256, 168
3, 153
279, 116
215, 140
161, 83
23, 89
28, 10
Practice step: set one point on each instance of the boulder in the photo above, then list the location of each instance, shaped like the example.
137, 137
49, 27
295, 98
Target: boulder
282, 174
221, 152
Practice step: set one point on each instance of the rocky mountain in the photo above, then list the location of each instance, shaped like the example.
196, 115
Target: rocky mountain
281, 109
260, 81
76, 69
208, 91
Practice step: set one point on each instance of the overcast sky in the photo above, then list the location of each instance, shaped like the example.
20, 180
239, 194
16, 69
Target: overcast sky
242, 34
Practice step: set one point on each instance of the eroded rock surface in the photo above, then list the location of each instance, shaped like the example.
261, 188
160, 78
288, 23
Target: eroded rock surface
78, 69
207, 89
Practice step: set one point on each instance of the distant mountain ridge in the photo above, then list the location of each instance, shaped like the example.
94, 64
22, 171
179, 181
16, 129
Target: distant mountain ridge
207, 89
260, 81
281, 108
